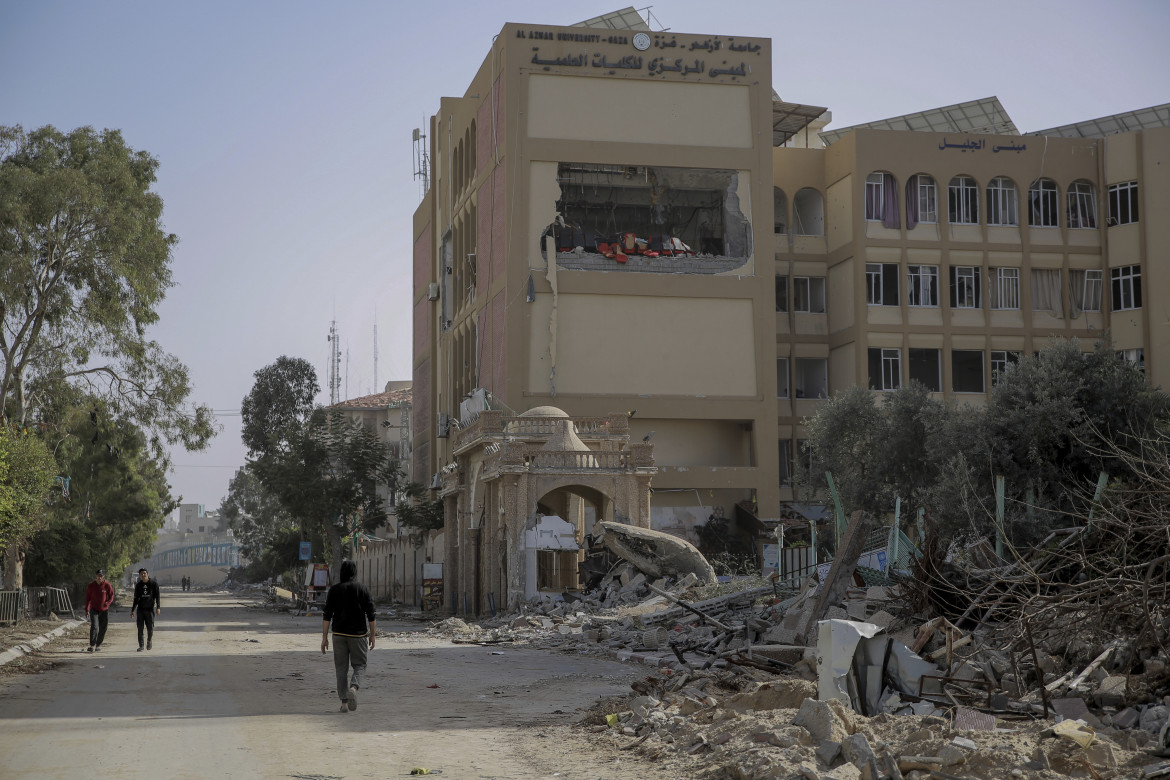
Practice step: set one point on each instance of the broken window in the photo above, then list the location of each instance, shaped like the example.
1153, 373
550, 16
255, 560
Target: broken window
926, 368
1126, 285
785, 461
1002, 361
881, 284
1123, 203
1004, 291
621, 211
922, 285
1042, 200
921, 200
1082, 205
782, 293
779, 210
885, 368
556, 569
812, 378
808, 213
1002, 205
782, 377
1085, 290
967, 370
963, 201
808, 294
964, 287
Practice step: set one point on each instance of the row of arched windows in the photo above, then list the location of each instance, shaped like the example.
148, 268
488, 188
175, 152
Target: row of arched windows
463, 161
1044, 206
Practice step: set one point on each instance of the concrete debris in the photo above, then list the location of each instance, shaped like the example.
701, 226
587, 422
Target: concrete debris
733, 690
656, 553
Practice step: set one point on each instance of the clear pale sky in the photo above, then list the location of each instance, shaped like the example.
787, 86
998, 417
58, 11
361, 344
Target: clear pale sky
283, 130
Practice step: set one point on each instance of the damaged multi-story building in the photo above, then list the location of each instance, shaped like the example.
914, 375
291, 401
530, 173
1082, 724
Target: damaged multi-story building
629, 236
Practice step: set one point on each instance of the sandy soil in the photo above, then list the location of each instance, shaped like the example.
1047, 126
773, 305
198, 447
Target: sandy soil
233, 691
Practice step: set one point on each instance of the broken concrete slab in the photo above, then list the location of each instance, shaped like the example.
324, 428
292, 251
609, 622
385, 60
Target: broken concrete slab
656, 553
840, 575
821, 720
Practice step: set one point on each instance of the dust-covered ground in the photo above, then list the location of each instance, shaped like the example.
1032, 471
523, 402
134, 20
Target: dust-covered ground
230, 690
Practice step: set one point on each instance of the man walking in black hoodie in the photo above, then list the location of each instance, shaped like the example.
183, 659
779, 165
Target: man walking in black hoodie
147, 604
350, 609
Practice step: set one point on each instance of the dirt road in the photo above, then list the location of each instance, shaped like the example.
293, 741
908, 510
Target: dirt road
235, 692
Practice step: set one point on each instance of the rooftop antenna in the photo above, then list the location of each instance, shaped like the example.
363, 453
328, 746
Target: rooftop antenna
334, 364
422, 163
376, 385
347, 372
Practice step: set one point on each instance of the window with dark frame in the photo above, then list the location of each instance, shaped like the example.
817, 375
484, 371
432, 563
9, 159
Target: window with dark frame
782, 377
782, 293
967, 371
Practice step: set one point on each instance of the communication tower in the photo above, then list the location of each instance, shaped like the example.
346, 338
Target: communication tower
334, 339
422, 163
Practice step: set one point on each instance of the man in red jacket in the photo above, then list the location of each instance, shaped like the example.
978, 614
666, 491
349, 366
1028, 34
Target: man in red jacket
99, 597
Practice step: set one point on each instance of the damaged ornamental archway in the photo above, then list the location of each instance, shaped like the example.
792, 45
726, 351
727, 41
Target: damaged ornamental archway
523, 493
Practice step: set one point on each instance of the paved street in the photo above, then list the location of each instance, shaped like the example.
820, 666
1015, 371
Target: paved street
237, 692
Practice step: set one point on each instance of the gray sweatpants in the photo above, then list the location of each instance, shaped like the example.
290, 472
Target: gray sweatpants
349, 651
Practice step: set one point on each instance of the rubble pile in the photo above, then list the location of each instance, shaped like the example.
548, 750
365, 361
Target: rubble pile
972, 669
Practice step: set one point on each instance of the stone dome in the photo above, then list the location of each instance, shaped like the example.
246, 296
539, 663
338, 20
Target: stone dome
544, 411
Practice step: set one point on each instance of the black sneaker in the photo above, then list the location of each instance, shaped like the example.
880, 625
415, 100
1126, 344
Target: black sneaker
140, 648
149, 644
89, 649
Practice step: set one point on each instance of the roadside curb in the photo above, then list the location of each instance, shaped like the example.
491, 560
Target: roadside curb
12, 653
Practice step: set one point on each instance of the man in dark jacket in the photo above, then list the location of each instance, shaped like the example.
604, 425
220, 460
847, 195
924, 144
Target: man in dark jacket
147, 604
350, 609
99, 597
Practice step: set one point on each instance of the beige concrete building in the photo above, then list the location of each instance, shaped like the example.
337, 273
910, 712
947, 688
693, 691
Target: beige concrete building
390, 561
941, 247
597, 237
630, 220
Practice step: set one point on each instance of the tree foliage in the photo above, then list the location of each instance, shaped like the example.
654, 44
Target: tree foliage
84, 265
27, 470
1052, 423
118, 496
269, 537
331, 475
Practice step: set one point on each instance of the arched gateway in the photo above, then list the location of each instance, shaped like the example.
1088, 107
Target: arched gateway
522, 494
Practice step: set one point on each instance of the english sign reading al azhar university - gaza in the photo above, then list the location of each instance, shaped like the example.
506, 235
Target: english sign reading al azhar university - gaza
654, 54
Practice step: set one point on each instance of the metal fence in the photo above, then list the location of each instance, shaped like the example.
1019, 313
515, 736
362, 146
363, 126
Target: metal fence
16, 605
42, 601
9, 606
